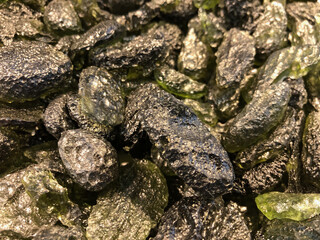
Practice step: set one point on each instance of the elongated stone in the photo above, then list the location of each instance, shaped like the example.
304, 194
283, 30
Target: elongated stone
29, 70
295, 206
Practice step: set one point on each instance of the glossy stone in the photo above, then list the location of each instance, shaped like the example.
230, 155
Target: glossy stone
90, 160
29, 70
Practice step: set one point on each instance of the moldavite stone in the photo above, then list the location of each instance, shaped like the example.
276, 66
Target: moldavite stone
139, 55
311, 151
271, 31
49, 196
211, 29
83, 120
103, 33
195, 57
294, 206
16, 19
257, 118
206, 4
293, 62
59, 233
234, 58
191, 218
21, 216
266, 176
304, 22
56, 117
29, 70
179, 84
204, 111
277, 145
242, 13
90, 161
289, 229
61, 17
101, 96
132, 207
181, 138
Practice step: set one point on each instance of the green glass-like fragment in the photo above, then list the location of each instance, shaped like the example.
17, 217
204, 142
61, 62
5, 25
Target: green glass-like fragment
271, 31
179, 84
206, 4
294, 206
48, 195
293, 62
131, 208
195, 57
204, 111
258, 118
304, 22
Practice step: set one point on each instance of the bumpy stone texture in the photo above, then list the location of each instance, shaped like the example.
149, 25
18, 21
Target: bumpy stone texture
38, 4
191, 218
83, 120
294, 206
235, 57
90, 161
180, 12
59, 233
29, 70
101, 96
277, 145
56, 117
257, 118
206, 4
311, 151
211, 28
271, 31
16, 19
40, 201
289, 229
195, 57
103, 33
137, 57
242, 13
181, 138
293, 62
129, 209
303, 20
204, 111
179, 84
61, 17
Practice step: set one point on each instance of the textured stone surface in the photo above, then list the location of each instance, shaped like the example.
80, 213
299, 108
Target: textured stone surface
191, 218
101, 97
294, 206
179, 84
181, 138
90, 161
260, 116
129, 209
29, 70
56, 117
61, 17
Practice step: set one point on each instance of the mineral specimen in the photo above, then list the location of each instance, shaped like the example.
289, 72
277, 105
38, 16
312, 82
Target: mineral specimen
90, 161
29, 70
181, 138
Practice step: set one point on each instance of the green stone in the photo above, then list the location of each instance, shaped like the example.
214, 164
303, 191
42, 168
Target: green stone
206, 4
131, 208
179, 84
294, 206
